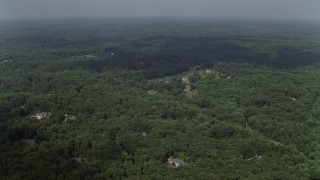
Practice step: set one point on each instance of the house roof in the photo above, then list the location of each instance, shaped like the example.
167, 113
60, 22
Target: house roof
69, 117
152, 91
43, 114
177, 161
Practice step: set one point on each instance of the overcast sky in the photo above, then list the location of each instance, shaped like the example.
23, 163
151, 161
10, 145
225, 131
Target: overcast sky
282, 9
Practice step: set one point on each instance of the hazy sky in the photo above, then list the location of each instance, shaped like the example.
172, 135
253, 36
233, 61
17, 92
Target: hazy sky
284, 9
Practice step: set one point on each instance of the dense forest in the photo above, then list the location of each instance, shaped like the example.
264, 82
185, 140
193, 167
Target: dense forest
117, 98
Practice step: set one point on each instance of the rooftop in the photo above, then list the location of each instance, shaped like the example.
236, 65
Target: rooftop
152, 92
176, 162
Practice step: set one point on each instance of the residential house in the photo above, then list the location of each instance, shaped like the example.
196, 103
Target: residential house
152, 92
42, 115
69, 118
255, 157
293, 99
209, 71
176, 162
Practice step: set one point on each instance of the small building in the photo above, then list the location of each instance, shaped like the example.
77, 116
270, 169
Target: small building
293, 99
184, 79
255, 157
176, 162
5, 61
209, 71
42, 115
69, 118
31, 142
152, 92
